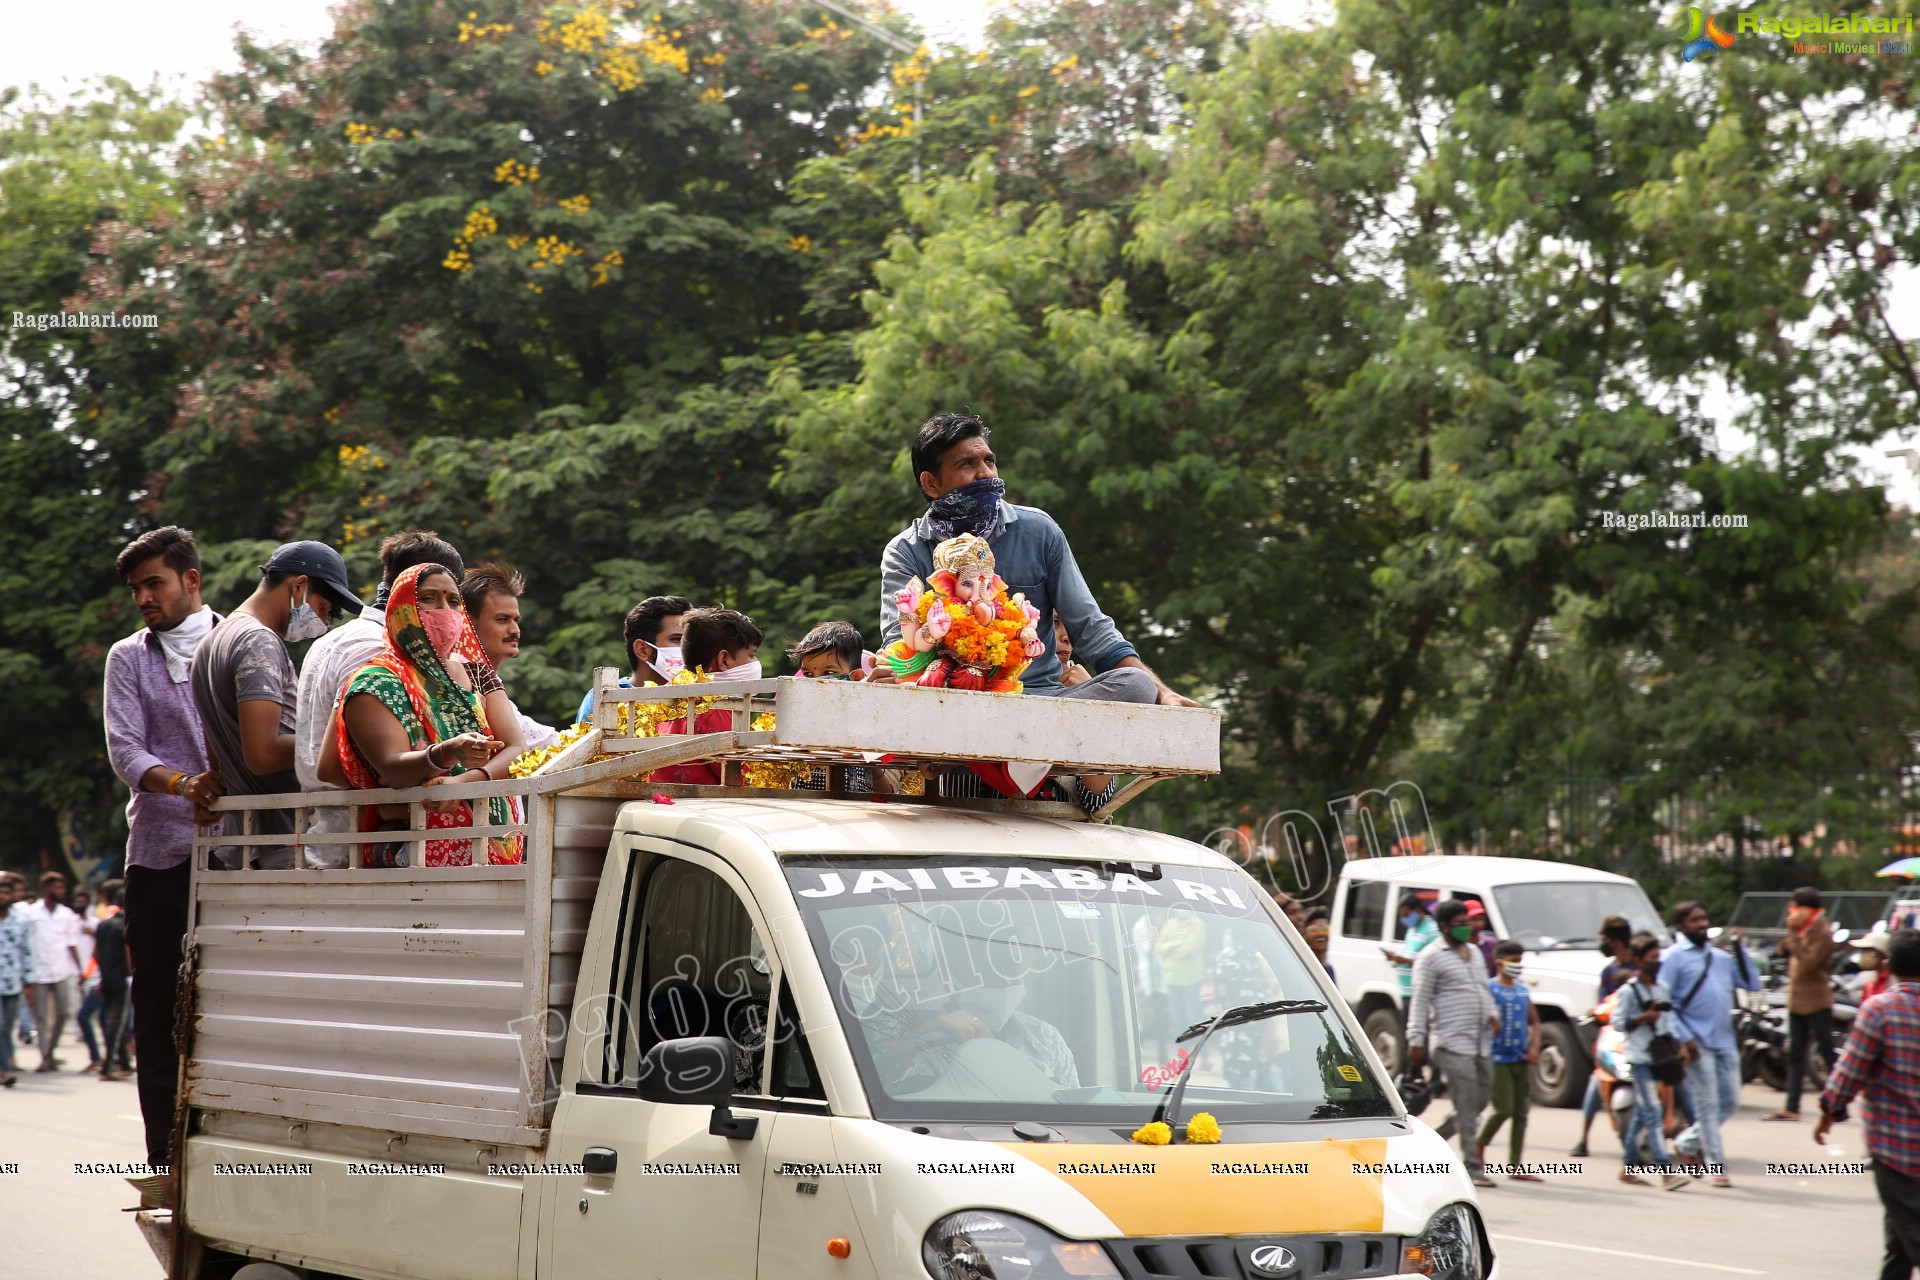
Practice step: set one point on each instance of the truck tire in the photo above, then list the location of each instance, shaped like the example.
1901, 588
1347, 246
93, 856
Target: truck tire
1559, 1078
1388, 1038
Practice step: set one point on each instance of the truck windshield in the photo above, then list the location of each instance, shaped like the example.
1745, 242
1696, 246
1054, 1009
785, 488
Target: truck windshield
1003, 989
1562, 914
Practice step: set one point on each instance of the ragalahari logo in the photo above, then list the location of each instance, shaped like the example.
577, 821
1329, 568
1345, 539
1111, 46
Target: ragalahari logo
1704, 36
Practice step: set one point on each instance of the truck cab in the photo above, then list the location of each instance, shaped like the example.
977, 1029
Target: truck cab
1554, 909
735, 1031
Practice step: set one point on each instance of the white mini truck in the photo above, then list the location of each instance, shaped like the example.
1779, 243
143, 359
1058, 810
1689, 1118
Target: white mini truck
714, 1033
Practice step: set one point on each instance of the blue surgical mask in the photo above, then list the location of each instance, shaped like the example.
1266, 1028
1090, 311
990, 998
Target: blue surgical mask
304, 624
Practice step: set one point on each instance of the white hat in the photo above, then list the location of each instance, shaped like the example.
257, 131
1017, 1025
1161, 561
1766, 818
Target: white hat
1879, 940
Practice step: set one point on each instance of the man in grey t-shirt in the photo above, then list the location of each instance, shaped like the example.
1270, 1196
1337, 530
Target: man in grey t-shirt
245, 689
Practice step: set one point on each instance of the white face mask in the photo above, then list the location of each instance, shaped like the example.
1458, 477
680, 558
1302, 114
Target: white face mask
305, 624
667, 660
994, 1005
740, 671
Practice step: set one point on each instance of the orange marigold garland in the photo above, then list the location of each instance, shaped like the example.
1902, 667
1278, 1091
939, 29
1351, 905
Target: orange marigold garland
962, 630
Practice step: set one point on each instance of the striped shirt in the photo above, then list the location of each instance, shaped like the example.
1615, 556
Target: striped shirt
1451, 1003
1882, 1060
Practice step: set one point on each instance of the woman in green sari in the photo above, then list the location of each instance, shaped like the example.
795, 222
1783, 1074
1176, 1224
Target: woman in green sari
425, 712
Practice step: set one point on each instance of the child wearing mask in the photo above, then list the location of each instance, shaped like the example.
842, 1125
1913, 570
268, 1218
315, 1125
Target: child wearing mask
1516, 1047
725, 644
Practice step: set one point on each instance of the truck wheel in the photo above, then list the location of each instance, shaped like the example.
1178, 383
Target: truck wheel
1560, 1076
1383, 1029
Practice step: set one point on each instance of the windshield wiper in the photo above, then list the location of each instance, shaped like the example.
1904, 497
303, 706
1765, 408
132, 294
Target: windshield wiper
1239, 1015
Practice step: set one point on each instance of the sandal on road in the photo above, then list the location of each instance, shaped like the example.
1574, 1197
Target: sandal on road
1782, 1115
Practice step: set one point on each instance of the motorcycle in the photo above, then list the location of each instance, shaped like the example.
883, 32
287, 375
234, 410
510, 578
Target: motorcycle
1612, 1073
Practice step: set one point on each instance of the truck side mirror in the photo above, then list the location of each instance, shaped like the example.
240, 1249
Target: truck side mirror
696, 1071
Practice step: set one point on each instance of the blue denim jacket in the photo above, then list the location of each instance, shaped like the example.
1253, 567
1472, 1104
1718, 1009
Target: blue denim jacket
1030, 552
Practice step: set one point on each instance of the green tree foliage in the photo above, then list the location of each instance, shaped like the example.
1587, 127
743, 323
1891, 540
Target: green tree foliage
507, 272
69, 169
1333, 349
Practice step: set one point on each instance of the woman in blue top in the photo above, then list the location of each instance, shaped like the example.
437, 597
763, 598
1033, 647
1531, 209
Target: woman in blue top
1645, 1010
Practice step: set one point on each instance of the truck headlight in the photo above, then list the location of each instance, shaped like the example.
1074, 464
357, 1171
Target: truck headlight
1450, 1247
986, 1244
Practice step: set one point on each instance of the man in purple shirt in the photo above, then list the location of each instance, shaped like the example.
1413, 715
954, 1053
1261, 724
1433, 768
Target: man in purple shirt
156, 745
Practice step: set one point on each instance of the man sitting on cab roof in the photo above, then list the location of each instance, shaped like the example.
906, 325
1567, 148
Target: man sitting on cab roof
960, 478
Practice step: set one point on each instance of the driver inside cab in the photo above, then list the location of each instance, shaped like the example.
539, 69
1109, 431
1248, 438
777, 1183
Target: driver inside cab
987, 1012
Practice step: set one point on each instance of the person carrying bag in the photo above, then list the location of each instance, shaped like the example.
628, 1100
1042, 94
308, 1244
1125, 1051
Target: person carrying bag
1643, 1012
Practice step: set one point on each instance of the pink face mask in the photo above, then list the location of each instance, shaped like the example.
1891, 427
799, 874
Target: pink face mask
444, 628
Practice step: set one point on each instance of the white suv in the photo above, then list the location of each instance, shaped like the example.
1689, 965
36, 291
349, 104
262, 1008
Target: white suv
1553, 908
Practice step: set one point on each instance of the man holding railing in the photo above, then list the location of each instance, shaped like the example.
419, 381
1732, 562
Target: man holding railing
157, 747
245, 689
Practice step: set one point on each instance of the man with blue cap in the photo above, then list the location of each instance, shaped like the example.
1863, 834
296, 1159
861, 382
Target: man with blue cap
245, 689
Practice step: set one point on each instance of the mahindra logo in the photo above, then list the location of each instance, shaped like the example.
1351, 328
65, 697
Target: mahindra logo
1272, 1260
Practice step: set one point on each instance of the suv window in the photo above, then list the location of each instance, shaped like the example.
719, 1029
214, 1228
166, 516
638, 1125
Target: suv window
1366, 910
1425, 897
696, 968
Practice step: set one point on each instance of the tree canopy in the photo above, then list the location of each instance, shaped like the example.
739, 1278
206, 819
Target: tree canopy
1342, 354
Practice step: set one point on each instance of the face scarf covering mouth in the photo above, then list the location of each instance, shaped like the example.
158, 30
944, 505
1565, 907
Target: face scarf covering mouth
972, 508
178, 644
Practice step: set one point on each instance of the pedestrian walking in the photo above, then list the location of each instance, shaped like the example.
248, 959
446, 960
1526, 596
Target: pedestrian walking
16, 959
1809, 948
1644, 1013
1703, 979
110, 952
1871, 951
1452, 1006
1483, 935
1615, 934
1419, 932
1516, 1047
1881, 1062
54, 974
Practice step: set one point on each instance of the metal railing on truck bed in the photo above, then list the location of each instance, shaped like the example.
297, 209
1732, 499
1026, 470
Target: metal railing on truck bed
418, 998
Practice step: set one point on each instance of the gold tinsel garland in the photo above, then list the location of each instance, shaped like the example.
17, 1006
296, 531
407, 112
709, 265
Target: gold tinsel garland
530, 761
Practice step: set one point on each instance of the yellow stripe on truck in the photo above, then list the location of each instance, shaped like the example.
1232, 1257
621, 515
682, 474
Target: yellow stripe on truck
1193, 1189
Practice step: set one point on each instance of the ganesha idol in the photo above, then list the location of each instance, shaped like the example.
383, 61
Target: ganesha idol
960, 630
